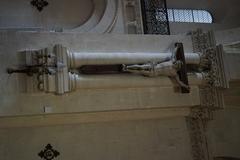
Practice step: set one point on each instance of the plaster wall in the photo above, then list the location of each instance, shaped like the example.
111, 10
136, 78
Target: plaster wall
165, 139
104, 16
91, 16
224, 131
233, 60
126, 135
183, 28
91, 135
57, 15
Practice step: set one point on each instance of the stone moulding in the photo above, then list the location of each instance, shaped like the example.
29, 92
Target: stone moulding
211, 96
213, 57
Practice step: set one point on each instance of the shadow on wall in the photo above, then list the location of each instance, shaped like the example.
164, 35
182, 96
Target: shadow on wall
226, 158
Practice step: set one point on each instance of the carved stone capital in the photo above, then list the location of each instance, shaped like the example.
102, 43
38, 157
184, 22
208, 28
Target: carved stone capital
212, 64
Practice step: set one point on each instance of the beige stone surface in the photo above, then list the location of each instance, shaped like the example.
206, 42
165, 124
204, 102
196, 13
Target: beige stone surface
142, 140
224, 132
91, 117
111, 133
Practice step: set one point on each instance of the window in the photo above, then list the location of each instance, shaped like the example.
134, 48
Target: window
189, 15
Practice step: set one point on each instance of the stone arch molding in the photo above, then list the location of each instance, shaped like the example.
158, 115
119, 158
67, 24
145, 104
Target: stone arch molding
85, 16
102, 19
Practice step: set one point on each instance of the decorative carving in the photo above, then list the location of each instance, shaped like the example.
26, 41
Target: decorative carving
48, 153
49, 68
132, 16
155, 17
212, 63
196, 128
202, 41
39, 4
211, 97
